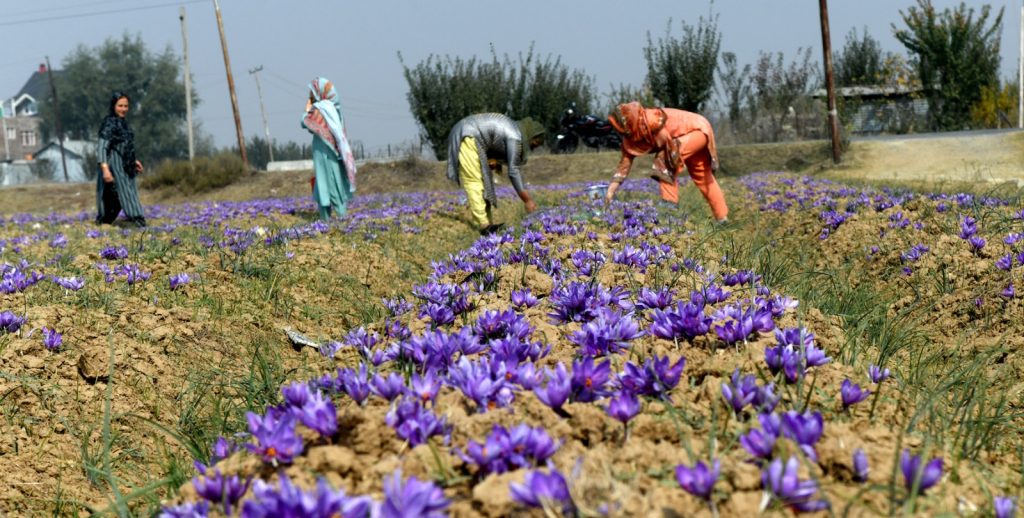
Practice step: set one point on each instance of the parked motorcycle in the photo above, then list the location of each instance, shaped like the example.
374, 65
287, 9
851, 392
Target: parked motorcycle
594, 131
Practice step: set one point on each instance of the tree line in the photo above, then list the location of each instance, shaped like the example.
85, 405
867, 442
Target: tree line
952, 61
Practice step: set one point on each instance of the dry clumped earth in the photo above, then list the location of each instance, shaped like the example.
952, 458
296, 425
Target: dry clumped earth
138, 362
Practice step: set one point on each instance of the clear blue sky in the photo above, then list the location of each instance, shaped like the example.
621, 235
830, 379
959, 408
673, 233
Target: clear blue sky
355, 44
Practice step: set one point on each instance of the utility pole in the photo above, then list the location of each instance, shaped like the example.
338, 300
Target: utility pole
833, 114
188, 86
266, 127
1020, 73
7, 147
231, 85
56, 113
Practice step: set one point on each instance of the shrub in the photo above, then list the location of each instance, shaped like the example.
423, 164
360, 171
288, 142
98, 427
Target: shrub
207, 174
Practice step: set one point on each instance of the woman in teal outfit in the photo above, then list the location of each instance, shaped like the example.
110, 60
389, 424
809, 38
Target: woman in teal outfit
333, 162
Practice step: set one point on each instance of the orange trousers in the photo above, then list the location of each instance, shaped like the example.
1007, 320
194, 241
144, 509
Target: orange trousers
693, 152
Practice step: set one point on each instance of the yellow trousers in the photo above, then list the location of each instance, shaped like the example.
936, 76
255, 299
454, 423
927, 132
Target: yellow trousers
472, 180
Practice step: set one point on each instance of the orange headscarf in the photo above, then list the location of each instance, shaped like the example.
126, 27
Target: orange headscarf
638, 126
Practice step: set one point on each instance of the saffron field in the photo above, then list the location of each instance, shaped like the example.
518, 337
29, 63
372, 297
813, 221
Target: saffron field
834, 349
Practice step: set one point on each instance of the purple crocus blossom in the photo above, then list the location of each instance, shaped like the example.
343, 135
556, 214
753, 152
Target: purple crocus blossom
851, 393
804, 429
877, 374
915, 470
523, 298
186, 510
52, 340
860, 466
1004, 507
354, 382
412, 498
218, 489
559, 385
69, 283
546, 491
424, 387
623, 407
656, 378
609, 333
276, 441
699, 480
10, 322
1009, 292
414, 423
388, 387
589, 380
740, 392
179, 280
783, 482
290, 501
686, 320
758, 443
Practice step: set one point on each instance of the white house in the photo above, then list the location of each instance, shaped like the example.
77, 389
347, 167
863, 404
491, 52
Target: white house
77, 153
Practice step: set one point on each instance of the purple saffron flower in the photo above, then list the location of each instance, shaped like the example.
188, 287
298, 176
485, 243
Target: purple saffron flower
686, 320
651, 299
1005, 262
355, 383
288, 500
860, 466
1009, 292
740, 392
218, 489
1004, 507
424, 388
784, 484
877, 374
589, 380
179, 280
977, 243
851, 393
758, 443
10, 323
804, 429
699, 480
656, 378
609, 333
318, 414
915, 471
112, 253
413, 498
523, 299
414, 423
544, 491
186, 510
276, 441
555, 393
70, 283
968, 227
388, 387
623, 407
52, 340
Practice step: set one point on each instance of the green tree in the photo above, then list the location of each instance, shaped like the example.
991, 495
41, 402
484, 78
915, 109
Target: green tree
681, 72
861, 62
443, 90
152, 81
734, 87
957, 56
781, 93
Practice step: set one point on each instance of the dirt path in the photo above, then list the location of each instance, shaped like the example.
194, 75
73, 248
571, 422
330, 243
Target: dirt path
992, 158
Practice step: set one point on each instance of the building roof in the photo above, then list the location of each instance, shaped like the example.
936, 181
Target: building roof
870, 91
37, 85
76, 147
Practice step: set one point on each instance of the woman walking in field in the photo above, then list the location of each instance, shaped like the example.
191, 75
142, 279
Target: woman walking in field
333, 163
680, 139
115, 185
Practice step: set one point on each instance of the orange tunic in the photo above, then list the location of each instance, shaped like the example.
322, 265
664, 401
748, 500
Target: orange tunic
680, 139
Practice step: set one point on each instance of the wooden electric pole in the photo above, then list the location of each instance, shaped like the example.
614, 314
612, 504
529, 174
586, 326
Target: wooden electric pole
188, 85
266, 127
833, 114
231, 85
56, 114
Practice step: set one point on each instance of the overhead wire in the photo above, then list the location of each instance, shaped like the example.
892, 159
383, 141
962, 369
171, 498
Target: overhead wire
100, 13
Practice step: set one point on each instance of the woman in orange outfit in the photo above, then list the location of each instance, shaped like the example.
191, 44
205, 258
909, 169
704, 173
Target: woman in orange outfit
680, 139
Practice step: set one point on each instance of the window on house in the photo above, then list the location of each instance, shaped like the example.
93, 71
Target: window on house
12, 133
28, 138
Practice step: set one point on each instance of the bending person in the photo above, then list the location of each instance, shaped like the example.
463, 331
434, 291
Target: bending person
115, 155
477, 146
333, 163
680, 139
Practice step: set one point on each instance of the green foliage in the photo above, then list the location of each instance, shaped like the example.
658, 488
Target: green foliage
443, 90
781, 92
997, 107
624, 93
152, 81
957, 55
682, 72
735, 86
207, 174
861, 62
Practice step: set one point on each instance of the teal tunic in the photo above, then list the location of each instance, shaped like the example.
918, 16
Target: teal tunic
332, 189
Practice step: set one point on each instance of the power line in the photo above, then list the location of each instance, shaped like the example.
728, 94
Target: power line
62, 8
100, 13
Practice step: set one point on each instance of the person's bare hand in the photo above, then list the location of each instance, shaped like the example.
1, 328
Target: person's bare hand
138, 167
107, 177
530, 206
309, 104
